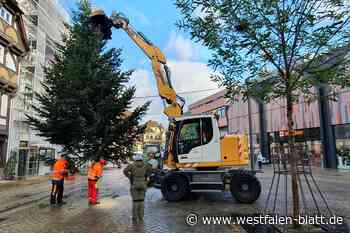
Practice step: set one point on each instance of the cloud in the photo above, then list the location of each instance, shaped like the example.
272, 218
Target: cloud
187, 76
192, 76
142, 80
181, 48
145, 85
137, 16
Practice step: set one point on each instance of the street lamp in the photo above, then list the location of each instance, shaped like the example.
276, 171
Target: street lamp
250, 125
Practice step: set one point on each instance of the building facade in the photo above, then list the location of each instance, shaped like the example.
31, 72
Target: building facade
13, 46
44, 21
306, 123
154, 134
215, 104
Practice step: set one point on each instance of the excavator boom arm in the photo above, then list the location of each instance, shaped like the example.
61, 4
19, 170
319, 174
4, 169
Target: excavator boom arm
173, 103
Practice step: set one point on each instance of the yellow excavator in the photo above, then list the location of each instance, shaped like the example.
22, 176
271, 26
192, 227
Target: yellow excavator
196, 158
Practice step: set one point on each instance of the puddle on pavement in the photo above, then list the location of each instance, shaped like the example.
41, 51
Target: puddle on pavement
3, 219
43, 205
24, 195
115, 195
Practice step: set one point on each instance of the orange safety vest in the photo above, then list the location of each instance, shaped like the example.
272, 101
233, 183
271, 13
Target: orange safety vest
95, 171
59, 169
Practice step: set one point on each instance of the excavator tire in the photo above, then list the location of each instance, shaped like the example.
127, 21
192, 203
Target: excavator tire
175, 187
245, 188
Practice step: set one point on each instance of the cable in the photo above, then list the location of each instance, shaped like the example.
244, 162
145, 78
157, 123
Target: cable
180, 93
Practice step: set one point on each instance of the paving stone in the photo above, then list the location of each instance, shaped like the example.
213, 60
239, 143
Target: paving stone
113, 215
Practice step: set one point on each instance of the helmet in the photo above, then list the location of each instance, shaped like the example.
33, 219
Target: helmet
102, 161
137, 157
62, 152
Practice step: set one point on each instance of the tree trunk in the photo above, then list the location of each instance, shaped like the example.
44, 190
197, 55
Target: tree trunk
2, 173
293, 161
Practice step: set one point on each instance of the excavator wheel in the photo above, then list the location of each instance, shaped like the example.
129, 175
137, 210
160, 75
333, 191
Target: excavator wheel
245, 188
175, 187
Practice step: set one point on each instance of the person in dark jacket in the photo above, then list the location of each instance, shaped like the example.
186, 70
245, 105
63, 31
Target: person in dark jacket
137, 174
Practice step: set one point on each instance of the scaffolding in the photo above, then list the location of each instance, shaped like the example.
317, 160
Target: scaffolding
44, 21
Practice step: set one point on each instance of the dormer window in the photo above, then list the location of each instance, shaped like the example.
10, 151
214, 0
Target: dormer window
6, 15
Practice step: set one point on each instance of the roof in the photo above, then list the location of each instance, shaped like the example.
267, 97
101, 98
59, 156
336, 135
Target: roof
208, 99
14, 5
184, 117
153, 124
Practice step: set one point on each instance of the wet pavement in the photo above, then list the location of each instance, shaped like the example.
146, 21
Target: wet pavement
25, 209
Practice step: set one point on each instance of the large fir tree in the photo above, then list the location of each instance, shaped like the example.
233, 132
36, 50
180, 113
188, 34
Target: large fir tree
85, 103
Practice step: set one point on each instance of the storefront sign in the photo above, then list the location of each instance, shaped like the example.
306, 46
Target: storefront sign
298, 132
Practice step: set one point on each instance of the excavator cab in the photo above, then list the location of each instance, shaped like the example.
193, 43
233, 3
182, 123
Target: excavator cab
195, 142
195, 139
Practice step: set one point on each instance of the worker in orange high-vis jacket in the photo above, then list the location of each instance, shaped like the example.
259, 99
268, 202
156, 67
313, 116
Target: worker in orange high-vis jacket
94, 175
60, 171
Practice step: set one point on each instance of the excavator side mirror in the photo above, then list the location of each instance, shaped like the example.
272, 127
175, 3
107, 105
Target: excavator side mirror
101, 23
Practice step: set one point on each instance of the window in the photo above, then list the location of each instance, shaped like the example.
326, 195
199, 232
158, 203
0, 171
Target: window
33, 19
222, 112
30, 69
189, 136
2, 54
32, 44
28, 96
207, 130
6, 15
10, 62
4, 102
34, 4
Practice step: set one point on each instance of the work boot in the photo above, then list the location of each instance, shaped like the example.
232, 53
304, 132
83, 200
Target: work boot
94, 203
61, 203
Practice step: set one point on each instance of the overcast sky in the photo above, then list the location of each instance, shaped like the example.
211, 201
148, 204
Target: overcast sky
186, 59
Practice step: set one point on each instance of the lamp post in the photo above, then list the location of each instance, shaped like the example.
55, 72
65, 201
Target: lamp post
251, 144
250, 125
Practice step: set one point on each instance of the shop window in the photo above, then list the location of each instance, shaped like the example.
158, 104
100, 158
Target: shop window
6, 15
10, 62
